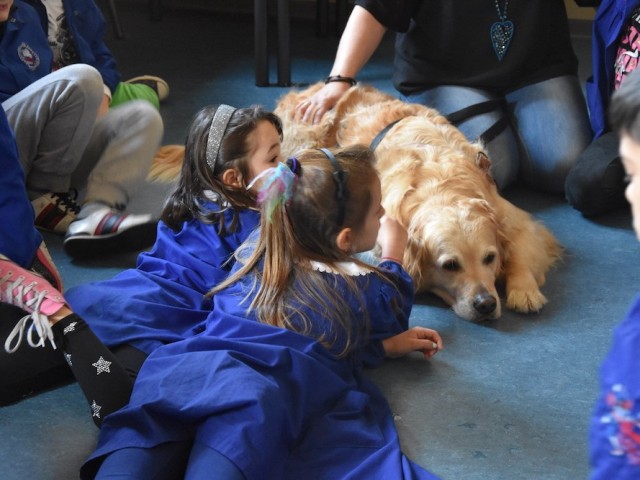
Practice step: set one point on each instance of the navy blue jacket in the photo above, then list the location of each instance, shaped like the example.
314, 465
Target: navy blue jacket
25, 55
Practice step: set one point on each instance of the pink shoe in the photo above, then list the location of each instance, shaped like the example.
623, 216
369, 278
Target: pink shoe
33, 294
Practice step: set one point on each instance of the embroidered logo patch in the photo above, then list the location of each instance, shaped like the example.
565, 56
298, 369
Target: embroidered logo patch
28, 56
623, 425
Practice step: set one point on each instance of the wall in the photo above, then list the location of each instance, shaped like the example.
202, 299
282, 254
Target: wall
579, 13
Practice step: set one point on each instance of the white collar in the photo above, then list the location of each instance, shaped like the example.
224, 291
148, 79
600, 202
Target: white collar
350, 268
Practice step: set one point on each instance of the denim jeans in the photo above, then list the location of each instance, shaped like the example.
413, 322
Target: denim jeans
548, 128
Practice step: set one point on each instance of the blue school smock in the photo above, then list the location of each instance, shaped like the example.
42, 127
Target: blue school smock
19, 239
276, 403
86, 24
25, 55
614, 438
163, 299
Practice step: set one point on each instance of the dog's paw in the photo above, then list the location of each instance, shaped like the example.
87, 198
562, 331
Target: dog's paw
525, 301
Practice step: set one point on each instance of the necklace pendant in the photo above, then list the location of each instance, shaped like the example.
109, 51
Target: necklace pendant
501, 35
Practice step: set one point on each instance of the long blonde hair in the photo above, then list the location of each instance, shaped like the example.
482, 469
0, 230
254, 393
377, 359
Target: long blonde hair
303, 229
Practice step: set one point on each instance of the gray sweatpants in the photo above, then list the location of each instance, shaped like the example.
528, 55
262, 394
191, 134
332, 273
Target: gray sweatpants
63, 146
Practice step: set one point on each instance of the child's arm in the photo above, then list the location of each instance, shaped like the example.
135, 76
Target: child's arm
390, 336
392, 238
416, 339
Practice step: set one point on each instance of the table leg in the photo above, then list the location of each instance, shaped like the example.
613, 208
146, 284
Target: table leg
260, 47
284, 52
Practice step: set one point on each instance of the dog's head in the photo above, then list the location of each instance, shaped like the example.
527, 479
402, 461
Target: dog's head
456, 244
456, 251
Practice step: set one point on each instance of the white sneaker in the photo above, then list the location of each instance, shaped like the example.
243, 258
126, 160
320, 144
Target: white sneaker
55, 211
107, 231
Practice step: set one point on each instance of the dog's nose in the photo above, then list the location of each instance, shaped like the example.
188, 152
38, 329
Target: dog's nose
484, 303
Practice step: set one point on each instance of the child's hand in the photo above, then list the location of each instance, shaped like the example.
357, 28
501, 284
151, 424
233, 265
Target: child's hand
416, 339
392, 238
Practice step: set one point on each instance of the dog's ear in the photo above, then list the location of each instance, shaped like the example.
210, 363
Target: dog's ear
484, 164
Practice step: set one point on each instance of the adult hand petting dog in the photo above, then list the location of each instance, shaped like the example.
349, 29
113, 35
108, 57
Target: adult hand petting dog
313, 109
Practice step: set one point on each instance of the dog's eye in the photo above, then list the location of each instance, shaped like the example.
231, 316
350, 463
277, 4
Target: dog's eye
489, 259
451, 266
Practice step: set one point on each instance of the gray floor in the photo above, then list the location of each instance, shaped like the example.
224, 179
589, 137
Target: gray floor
509, 399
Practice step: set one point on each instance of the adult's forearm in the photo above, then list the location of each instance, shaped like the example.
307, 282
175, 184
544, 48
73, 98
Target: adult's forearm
359, 41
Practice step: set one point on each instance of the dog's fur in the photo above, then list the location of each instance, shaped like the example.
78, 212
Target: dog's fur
464, 238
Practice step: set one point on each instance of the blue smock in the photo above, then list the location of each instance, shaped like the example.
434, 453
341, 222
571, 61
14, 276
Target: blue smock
163, 299
614, 437
276, 403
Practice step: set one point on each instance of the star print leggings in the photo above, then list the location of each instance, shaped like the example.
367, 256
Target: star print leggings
105, 377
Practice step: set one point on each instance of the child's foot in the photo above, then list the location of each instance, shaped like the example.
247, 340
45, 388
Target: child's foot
108, 231
157, 84
33, 294
43, 265
55, 211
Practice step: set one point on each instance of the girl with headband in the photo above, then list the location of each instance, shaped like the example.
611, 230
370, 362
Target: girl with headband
274, 388
209, 213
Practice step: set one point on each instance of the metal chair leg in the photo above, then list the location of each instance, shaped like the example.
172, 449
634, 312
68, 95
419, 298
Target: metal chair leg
284, 44
260, 46
155, 10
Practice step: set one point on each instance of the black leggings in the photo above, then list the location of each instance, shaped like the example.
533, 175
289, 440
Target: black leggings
105, 376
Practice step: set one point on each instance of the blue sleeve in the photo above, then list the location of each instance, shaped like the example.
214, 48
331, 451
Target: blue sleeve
614, 437
87, 24
389, 312
19, 239
163, 299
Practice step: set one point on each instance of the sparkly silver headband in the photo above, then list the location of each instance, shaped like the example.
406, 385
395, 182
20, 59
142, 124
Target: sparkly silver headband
216, 132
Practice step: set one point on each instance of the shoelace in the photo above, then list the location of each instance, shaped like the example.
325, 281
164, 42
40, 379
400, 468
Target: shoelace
40, 322
67, 201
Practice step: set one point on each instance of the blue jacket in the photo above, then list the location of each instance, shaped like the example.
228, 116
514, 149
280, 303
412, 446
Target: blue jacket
28, 26
25, 55
610, 19
614, 436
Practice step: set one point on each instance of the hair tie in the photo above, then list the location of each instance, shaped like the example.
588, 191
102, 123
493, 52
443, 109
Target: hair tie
342, 192
294, 164
276, 188
216, 132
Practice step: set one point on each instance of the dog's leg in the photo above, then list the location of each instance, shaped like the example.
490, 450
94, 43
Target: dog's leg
530, 252
522, 290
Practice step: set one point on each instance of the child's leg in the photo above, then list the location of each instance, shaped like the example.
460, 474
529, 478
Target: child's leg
164, 461
126, 92
130, 358
28, 371
103, 380
204, 460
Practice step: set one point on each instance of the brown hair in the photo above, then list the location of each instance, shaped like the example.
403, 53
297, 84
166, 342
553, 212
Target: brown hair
305, 229
190, 199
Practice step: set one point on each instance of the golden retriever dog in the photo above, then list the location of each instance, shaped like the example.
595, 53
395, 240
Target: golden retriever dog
464, 238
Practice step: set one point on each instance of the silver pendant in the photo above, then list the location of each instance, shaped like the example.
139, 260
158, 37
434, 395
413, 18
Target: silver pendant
501, 35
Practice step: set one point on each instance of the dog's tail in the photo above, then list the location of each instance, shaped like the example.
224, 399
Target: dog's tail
167, 164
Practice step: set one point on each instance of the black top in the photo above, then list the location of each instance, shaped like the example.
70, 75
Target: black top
448, 42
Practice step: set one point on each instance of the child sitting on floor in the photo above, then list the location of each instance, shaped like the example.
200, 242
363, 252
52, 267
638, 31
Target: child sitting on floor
208, 215
615, 424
